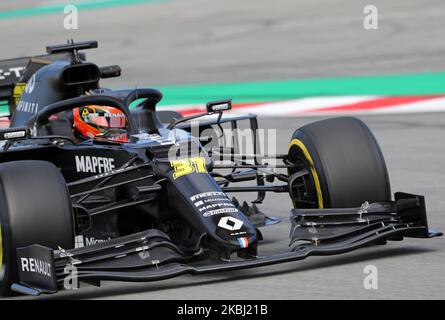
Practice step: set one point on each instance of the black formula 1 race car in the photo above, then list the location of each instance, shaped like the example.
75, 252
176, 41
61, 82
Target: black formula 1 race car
157, 205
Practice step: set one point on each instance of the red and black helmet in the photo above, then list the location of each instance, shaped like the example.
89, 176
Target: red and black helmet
101, 123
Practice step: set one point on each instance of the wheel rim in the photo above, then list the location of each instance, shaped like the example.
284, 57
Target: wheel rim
298, 143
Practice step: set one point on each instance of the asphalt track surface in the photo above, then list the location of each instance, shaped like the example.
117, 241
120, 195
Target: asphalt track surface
199, 41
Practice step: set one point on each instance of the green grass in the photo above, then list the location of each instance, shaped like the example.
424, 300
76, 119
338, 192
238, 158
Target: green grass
58, 8
4, 110
387, 85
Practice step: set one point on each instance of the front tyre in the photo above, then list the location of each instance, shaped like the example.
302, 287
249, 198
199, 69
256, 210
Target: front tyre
344, 164
35, 208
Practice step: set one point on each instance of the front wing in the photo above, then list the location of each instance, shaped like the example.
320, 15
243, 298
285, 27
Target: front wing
150, 255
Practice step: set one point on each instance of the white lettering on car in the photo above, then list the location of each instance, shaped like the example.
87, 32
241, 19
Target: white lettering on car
36, 266
90, 164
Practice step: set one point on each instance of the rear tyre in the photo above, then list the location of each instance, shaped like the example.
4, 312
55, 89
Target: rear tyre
35, 208
344, 163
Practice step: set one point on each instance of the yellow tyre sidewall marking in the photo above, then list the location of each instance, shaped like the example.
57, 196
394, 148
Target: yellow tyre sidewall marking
307, 155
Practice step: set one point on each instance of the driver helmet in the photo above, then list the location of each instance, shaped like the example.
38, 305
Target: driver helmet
100, 123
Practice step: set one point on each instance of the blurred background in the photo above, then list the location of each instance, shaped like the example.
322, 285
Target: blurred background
292, 62
319, 48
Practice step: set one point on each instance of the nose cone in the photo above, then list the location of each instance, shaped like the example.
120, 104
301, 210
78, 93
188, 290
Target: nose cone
235, 229
200, 201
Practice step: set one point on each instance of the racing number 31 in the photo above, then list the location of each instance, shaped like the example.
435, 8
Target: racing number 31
186, 166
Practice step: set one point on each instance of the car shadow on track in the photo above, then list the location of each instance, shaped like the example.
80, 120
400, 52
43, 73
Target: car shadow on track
325, 262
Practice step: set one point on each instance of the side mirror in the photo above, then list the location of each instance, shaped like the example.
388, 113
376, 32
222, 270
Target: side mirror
14, 133
110, 71
219, 106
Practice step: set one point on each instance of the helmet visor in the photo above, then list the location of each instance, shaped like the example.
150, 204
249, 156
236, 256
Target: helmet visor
109, 118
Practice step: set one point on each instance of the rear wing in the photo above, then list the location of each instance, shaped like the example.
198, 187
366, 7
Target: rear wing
18, 71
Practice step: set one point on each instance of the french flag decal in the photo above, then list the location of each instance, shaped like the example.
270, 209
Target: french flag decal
243, 242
